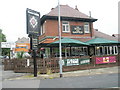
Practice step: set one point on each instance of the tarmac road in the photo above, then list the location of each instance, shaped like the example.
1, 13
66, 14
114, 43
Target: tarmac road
92, 81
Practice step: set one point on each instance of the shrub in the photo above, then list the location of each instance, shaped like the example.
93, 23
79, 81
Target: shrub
20, 55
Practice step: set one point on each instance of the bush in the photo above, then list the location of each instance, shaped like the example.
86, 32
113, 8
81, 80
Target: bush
20, 55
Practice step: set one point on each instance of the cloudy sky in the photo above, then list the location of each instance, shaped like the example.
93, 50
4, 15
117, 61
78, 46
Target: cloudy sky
13, 14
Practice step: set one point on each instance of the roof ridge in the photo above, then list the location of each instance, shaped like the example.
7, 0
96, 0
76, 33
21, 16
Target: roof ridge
67, 11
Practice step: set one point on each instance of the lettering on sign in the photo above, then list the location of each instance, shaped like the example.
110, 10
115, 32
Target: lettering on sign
77, 61
85, 61
77, 30
71, 62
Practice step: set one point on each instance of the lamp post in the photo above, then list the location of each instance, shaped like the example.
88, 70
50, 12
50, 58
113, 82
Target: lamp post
60, 48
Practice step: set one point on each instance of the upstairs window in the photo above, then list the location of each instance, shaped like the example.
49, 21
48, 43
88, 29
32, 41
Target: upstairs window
42, 29
65, 26
86, 28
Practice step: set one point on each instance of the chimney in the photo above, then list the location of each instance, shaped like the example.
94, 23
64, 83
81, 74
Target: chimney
76, 8
96, 29
52, 8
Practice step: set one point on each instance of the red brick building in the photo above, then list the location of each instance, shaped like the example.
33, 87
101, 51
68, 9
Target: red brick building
74, 24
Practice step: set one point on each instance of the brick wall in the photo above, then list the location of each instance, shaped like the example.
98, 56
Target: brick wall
51, 27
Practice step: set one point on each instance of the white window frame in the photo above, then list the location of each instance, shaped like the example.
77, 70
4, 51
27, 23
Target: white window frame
66, 25
86, 27
107, 50
116, 50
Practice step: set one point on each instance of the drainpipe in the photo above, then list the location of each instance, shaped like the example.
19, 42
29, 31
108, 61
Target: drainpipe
90, 23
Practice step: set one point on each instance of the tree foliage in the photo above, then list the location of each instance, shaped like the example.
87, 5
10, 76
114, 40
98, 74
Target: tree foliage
5, 51
2, 36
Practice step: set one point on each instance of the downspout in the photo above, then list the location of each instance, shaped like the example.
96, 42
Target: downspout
90, 23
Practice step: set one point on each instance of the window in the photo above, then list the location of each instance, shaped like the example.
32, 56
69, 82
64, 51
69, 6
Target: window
99, 50
43, 29
86, 28
79, 51
115, 50
107, 50
65, 26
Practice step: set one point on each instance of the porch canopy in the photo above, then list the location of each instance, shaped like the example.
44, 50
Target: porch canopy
68, 42
101, 41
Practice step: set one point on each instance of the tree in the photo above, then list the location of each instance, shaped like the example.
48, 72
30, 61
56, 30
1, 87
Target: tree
4, 51
2, 36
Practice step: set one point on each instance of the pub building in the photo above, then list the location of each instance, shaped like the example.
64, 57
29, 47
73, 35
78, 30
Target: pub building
78, 37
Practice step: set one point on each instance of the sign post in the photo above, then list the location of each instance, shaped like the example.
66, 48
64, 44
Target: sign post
33, 31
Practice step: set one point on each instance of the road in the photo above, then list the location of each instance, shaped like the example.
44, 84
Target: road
94, 81
4, 75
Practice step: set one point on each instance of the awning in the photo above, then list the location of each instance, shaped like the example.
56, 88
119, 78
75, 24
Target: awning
101, 41
68, 42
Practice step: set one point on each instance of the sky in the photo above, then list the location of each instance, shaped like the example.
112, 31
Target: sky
13, 14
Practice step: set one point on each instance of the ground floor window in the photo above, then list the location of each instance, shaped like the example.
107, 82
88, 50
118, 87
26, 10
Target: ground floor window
106, 50
66, 51
79, 51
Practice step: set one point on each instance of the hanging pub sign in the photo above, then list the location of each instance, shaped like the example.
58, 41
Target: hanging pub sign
33, 22
77, 30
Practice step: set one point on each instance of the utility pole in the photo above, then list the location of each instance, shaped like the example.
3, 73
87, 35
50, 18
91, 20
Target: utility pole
60, 48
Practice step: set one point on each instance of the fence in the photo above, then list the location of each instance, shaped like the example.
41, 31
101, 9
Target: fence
52, 64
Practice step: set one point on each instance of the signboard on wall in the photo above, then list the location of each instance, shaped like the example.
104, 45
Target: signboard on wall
75, 61
109, 59
77, 30
33, 22
7, 45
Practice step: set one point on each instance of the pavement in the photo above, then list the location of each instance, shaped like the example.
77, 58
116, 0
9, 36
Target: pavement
108, 70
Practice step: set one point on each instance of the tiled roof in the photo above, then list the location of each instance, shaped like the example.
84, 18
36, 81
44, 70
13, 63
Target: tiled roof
67, 11
23, 40
99, 34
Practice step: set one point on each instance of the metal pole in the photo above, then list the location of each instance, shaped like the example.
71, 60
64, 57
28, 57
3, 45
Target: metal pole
60, 48
34, 55
35, 63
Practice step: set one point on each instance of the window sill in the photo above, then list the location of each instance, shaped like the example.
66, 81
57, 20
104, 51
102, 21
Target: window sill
65, 32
